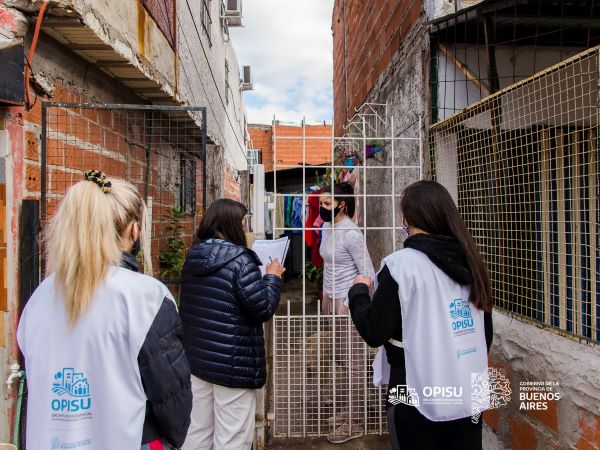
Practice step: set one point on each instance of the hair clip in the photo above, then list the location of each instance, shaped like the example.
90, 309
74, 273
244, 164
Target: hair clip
96, 176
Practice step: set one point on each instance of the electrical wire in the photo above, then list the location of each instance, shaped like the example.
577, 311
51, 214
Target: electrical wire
214, 79
182, 66
36, 35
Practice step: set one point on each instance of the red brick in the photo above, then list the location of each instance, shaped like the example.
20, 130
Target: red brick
492, 418
523, 435
32, 146
589, 426
33, 178
369, 29
548, 417
34, 115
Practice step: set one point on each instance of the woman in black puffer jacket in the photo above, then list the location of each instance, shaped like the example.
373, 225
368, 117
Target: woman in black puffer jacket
224, 302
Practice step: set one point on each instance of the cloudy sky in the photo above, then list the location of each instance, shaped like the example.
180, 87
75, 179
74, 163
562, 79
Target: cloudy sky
289, 46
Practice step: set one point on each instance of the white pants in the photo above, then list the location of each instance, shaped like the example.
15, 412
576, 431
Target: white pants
222, 417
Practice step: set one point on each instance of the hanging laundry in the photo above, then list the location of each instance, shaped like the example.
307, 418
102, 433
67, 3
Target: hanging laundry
312, 236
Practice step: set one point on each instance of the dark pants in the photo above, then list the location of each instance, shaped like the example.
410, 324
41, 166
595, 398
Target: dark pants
410, 430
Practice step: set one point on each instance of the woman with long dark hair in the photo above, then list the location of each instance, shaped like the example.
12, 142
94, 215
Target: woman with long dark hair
345, 256
432, 312
224, 302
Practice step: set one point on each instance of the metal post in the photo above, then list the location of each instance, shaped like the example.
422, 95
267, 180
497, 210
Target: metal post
303, 278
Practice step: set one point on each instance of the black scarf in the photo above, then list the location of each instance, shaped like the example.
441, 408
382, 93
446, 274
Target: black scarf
445, 252
128, 261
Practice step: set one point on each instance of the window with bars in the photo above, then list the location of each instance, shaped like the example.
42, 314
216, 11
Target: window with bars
187, 188
206, 20
523, 168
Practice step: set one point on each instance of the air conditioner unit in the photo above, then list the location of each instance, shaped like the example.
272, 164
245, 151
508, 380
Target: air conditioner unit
232, 13
247, 79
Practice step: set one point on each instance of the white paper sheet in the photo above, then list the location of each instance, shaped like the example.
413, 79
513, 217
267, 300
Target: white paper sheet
268, 250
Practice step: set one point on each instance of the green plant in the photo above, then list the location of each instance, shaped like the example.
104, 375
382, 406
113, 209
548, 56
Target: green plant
173, 256
313, 273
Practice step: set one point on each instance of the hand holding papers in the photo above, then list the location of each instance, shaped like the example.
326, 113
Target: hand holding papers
270, 250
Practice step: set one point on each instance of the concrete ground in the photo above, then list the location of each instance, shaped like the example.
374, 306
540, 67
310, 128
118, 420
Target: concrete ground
372, 442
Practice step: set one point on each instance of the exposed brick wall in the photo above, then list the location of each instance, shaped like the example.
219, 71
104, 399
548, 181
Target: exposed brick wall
291, 151
371, 34
82, 139
262, 138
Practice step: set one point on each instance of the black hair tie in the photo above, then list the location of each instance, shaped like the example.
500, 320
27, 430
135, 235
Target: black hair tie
96, 176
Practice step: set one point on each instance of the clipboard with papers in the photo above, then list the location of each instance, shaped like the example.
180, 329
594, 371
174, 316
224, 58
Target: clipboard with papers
268, 250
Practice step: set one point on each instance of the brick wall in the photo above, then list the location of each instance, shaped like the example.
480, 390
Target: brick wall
114, 141
262, 138
371, 34
292, 152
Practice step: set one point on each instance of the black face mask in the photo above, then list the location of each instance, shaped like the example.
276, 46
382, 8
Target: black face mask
326, 214
137, 246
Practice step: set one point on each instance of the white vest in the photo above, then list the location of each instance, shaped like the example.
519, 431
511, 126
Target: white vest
443, 337
85, 388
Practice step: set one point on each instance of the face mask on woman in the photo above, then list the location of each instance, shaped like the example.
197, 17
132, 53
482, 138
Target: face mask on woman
326, 214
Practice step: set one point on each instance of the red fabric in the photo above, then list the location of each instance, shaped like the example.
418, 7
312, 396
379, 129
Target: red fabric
156, 445
312, 236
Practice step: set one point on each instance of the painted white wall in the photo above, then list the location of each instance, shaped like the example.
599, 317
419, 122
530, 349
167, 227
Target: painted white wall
226, 125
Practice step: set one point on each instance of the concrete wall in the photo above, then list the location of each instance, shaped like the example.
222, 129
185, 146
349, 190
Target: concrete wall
439, 8
403, 86
226, 120
529, 353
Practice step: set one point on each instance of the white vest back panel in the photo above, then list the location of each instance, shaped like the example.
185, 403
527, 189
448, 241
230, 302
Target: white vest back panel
85, 388
443, 336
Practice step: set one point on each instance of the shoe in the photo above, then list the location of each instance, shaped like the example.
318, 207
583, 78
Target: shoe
342, 433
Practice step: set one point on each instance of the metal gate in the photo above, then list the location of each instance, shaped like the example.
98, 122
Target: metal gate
320, 370
160, 149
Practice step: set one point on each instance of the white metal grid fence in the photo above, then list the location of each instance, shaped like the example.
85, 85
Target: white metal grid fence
321, 369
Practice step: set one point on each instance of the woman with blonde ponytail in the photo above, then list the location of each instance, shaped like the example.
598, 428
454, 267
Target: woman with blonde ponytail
102, 344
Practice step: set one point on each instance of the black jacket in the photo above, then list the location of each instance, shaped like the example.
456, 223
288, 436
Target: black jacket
165, 373
224, 302
380, 319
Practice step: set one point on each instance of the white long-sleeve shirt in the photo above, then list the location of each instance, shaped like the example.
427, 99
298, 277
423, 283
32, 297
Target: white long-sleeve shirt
350, 255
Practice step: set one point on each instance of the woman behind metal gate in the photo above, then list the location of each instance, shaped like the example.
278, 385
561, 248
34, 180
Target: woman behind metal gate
105, 364
345, 256
432, 311
224, 302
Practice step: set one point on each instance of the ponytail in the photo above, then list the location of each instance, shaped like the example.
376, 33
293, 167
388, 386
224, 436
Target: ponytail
82, 244
84, 235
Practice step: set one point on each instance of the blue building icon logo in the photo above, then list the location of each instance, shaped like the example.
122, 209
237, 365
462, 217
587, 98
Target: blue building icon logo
460, 308
71, 383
